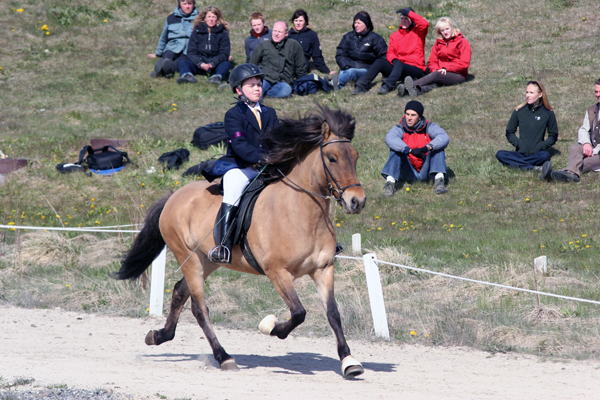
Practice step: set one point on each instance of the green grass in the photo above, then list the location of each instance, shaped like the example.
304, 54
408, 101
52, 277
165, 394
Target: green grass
89, 78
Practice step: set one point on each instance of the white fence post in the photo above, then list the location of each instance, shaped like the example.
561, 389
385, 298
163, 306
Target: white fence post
356, 243
376, 296
157, 283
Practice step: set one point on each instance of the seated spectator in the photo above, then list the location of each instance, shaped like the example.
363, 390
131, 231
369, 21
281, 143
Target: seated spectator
417, 151
258, 33
449, 60
309, 40
208, 48
281, 60
533, 119
584, 156
357, 51
405, 54
174, 38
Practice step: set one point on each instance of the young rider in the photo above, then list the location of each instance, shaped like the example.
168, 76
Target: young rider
244, 123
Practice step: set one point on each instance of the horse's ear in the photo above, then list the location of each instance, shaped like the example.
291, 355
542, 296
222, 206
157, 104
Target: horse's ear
325, 131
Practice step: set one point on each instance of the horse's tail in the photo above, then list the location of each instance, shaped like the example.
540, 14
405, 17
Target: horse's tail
146, 247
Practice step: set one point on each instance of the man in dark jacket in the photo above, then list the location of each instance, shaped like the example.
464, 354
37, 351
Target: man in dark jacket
358, 50
584, 156
258, 33
281, 60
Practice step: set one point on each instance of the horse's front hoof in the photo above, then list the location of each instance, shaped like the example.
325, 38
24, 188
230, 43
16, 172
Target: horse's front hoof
267, 324
150, 339
229, 365
351, 368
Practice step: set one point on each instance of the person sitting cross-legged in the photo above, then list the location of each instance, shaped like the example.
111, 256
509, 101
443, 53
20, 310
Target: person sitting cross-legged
416, 151
532, 118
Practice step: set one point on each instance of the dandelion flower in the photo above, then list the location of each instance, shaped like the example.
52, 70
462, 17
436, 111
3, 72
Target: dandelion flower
489, 205
47, 33
97, 222
377, 217
44, 27
378, 229
68, 285
105, 20
413, 333
466, 256
584, 235
174, 105
408, 189
338, 225
393, 223
19, 10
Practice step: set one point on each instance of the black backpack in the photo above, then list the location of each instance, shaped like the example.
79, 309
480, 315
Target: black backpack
209, 135
103, 159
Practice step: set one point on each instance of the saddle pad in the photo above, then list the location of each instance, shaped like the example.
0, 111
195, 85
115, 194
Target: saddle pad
244, 220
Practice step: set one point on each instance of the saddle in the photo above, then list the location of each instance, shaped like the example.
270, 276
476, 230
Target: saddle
241, 223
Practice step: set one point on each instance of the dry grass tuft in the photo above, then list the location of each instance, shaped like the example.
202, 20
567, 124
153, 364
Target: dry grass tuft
54, 248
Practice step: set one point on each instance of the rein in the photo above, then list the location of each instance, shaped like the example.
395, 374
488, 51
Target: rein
328, 175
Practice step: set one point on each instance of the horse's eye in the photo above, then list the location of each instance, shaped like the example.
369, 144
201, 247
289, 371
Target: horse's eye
332, 160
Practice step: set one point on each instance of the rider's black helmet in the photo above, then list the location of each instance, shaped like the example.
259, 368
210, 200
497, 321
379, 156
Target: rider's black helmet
242, 72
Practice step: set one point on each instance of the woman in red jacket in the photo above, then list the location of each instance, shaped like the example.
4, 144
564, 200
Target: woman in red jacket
449, 60
405, 54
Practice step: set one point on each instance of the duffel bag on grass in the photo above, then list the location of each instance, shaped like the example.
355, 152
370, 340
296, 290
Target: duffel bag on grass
209, 135
105, 160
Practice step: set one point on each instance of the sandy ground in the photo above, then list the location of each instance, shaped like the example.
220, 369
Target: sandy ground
89, 351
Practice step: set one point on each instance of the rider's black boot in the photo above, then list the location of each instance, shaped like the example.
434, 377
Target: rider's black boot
221, 253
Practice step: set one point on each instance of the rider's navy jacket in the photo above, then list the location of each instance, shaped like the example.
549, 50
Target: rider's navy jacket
244, 147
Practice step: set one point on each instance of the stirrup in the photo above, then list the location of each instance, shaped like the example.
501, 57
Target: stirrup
220, 254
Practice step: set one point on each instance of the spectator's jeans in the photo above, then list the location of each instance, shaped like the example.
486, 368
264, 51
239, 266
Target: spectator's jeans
279, 89
518, 160
350, 74
398, 166
188, 67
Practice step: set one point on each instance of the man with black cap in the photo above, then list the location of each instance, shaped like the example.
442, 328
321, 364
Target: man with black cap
416, 151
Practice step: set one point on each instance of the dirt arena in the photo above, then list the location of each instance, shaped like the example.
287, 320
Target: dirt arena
90, 351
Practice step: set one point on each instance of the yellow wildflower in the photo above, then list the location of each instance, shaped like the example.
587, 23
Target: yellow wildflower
413, 333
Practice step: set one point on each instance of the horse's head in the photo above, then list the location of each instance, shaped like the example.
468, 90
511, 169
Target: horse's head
339, 160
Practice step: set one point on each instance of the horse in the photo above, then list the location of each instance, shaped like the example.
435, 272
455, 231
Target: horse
312, 162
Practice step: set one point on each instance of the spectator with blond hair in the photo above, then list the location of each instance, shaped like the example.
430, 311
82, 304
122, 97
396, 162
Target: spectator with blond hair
208, 49
533, 119
259, 33
449, 61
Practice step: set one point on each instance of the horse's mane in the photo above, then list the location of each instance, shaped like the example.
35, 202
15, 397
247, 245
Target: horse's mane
291, 140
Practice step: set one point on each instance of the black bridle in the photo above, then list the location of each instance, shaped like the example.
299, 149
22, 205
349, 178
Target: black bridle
328, 175
337, 189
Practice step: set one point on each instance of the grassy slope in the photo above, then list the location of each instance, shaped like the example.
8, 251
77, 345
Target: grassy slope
90, 78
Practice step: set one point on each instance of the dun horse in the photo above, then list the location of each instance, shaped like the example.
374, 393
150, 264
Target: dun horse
291, 234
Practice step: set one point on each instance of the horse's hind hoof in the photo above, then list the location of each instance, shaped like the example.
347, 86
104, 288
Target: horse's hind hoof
229, 365
267, 324
351, 368
150, 339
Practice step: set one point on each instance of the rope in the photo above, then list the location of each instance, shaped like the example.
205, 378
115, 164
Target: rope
477, 281
87, 229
